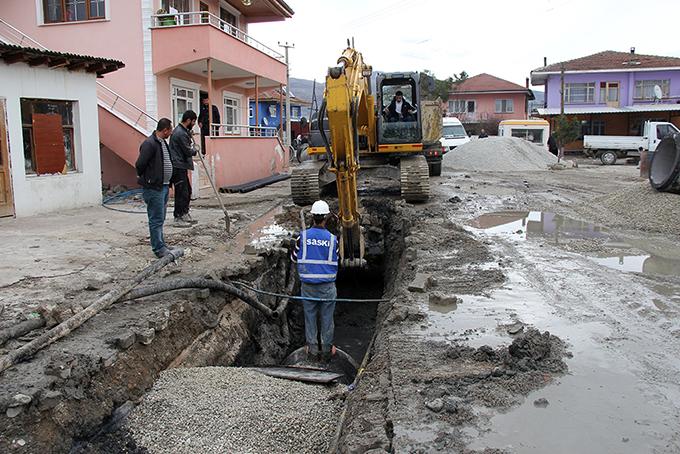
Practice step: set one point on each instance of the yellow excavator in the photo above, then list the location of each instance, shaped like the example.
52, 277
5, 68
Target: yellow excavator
397, 128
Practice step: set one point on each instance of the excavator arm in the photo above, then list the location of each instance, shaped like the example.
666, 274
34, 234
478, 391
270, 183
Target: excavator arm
350, 109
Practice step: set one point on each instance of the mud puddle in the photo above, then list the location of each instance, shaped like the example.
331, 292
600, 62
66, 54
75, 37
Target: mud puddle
600, 405
605, 247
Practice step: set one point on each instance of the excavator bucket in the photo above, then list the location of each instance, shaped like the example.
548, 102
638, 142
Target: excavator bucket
352, 247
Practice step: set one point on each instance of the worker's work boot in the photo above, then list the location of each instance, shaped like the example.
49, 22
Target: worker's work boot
187, 218
181, 223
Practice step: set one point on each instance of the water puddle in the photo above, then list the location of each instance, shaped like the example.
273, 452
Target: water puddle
262, 232
633, 255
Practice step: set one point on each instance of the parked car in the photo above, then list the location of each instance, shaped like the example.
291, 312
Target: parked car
610, 148
536, 131
453, 133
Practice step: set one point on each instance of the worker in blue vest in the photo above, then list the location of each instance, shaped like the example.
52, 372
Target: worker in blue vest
316, 255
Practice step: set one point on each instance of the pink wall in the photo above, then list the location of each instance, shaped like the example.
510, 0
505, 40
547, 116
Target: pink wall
486, 104
119, 38
115, 171
240, 160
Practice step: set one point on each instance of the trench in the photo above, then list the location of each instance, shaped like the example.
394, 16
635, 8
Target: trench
258, 342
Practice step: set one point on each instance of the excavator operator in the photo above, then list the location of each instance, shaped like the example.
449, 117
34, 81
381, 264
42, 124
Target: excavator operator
399, 109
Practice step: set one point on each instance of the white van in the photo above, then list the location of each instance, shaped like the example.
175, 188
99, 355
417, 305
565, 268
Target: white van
536, 131
453, 133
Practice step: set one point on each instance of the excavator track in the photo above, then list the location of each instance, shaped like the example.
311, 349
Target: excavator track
415, 179
304, 185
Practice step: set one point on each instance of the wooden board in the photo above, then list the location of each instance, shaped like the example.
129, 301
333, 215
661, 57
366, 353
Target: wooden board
48, 137
6, 201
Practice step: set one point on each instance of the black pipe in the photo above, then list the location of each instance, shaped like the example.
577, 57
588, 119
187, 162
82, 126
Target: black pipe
177, 284
322, 131
665, 167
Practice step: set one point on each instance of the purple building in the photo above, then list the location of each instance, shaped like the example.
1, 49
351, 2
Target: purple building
612, 93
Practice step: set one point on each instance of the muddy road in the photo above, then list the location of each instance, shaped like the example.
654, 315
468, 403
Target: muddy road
526, 313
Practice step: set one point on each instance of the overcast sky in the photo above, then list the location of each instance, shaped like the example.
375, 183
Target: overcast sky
504, 38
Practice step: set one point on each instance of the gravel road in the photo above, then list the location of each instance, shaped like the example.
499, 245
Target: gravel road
220, 409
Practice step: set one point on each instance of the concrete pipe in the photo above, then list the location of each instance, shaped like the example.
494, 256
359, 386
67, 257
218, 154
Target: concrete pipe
665, 167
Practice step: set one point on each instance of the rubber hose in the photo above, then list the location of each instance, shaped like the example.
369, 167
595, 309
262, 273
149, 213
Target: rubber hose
177, 284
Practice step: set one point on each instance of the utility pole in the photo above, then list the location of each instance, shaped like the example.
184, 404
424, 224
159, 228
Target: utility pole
288, 135
562, 89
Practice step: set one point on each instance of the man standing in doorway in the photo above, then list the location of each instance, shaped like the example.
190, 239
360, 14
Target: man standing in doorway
181, 152
316, 254
204, 121
154, 171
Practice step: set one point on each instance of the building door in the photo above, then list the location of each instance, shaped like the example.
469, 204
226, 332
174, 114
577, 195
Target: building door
232, 114
6, 200
205, 9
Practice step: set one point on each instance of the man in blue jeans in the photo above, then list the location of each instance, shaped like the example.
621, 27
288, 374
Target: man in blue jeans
316, 254
154, 171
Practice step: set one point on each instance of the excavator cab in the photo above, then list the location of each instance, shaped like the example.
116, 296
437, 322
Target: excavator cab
397, 100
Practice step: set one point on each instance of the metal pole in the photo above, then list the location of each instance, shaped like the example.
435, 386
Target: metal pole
288, 135
257, 106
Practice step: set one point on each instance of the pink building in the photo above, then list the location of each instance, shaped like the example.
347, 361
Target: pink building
175, 51
484, 100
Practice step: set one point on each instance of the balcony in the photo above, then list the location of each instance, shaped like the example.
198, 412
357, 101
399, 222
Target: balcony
234, 53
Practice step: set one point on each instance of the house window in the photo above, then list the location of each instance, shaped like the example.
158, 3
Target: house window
48, 134
592, 128
644, 89
272, 110
295, 112
579, 93
183, 98
504, 106
609, 92
251, 112
462, 106
73, 10
232, 117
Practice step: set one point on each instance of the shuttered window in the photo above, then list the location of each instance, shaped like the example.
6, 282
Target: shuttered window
48, 133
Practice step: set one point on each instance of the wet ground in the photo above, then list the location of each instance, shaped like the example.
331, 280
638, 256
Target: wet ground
519, 320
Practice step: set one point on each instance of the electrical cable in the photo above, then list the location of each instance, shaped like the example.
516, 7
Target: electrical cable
308, 298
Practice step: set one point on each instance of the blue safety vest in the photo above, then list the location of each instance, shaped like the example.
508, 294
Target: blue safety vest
318, 259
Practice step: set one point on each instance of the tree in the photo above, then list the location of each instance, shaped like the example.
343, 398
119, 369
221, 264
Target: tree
566, 130
442, 87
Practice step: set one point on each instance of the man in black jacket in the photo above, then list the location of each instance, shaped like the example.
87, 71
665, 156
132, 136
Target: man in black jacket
154, 171
204, 120
181, 152
399, 109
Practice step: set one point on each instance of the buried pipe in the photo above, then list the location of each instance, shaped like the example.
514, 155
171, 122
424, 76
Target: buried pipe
65, 327
177, 284
665, 167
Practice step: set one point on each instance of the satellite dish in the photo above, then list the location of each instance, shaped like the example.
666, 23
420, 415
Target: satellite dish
265, 121
658, 94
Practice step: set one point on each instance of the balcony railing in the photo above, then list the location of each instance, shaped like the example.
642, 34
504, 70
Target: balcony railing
206, 18
227, 130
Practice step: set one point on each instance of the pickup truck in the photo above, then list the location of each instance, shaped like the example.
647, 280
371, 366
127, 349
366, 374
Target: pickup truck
610, 148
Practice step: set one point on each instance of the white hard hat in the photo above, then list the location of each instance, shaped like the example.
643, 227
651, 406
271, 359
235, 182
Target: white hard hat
320, 207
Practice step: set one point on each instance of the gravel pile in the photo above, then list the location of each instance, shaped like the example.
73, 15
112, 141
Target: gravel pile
498, 154
224, 409
639, 207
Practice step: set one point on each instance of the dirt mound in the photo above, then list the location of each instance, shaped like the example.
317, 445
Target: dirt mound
499, 154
